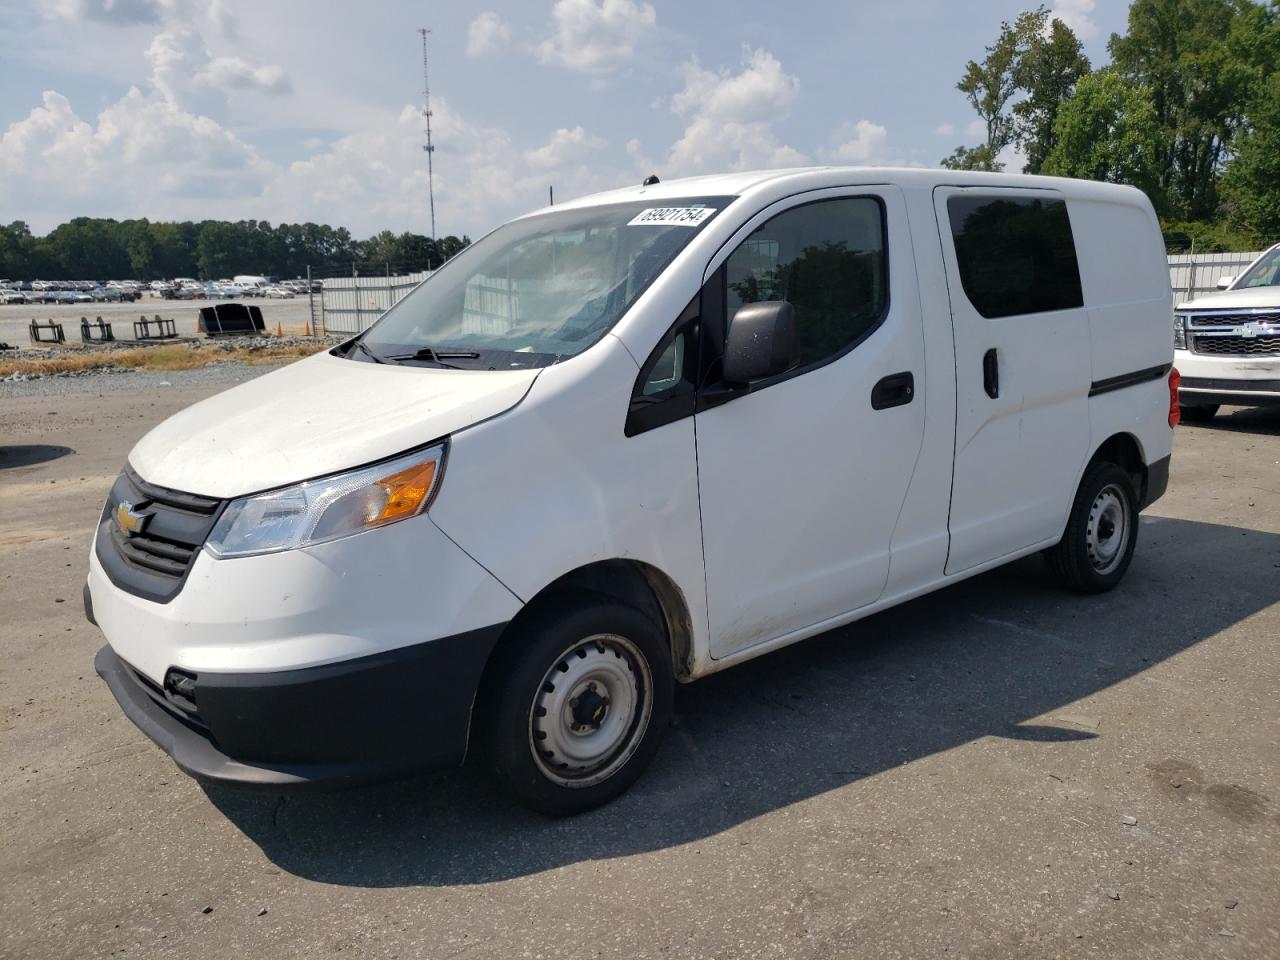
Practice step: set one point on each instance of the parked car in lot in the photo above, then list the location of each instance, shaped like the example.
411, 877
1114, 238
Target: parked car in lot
497, 530
278, 293
13, 296
1227, 344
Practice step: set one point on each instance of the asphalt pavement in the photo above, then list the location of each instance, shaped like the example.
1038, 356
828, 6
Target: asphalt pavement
1000, 769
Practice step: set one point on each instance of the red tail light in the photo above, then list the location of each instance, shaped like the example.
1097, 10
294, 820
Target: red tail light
1175, 414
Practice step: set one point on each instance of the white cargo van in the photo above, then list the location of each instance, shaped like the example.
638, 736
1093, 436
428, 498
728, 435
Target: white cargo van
1227, 345
627, 441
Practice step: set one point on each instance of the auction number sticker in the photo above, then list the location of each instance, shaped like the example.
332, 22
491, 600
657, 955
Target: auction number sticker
673, 216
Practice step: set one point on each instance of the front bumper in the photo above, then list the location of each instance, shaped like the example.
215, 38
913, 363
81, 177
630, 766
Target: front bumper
374, 718
1236, 381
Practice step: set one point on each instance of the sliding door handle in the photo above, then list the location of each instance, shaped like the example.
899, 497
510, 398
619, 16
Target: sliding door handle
991, 373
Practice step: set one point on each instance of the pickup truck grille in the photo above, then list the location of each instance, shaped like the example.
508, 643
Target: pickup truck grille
1233, 319
153, 562
1230, 333
1237, 346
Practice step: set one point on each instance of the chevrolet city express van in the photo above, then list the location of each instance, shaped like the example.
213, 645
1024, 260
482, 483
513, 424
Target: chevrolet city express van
633, 440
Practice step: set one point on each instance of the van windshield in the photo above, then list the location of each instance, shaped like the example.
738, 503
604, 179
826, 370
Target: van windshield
1265, 273
537, 290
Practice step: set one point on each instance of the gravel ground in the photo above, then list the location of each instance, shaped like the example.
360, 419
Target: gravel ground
100, 382
997, 770
292, 315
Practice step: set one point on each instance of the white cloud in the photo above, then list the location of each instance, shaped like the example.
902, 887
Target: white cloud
224, 19
1076, 14
120, 12
592, 37
945, 129
976, 128
234, 73
488, 34
377, 177
723, 113
128, 156
565, 146
862, 144
178, 59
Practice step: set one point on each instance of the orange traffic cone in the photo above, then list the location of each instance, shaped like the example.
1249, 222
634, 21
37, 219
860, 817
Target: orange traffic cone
307, 332
279, 332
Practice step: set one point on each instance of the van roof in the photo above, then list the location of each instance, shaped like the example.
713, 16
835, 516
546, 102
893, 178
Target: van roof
815, 178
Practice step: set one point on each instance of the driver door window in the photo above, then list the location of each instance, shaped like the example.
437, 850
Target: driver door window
827, 259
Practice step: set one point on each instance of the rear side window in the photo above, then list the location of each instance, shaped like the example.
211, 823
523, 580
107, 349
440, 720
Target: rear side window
1016, 254
827, 258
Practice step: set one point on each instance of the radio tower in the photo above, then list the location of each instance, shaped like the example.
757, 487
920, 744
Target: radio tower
428, 148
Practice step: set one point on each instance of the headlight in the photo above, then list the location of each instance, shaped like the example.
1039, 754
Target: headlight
1179, 332
329, 508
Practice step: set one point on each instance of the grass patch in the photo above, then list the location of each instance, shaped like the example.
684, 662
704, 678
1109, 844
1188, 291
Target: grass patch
169, 356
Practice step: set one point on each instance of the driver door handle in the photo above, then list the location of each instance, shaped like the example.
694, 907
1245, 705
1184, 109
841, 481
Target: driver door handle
893, 391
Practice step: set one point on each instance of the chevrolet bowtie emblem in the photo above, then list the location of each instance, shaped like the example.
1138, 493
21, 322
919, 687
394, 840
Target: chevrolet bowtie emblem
130, 521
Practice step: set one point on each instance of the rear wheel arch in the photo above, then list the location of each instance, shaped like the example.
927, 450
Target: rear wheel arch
1125, 451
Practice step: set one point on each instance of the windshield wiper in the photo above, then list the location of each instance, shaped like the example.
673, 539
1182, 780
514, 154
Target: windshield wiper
431, 355
359, 344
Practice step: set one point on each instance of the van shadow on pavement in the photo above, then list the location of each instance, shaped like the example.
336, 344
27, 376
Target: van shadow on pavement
978, 659
30, 454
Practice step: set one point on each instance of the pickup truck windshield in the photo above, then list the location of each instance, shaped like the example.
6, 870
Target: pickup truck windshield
1265, 273
537, 290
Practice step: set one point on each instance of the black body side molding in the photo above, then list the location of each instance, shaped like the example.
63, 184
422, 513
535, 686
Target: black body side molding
1128, 379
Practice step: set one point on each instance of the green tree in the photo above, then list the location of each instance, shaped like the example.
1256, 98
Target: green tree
1027, 55
1107, 131
1251, 185
1187, 55
1047, 71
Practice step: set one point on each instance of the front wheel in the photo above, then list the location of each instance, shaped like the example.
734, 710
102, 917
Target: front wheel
578, 704
1102, 530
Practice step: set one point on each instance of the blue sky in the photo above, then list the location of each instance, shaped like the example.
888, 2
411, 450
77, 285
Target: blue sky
294, 111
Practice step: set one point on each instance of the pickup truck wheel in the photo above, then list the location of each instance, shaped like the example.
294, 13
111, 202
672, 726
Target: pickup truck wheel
1102, 530
578, 704
1199, 413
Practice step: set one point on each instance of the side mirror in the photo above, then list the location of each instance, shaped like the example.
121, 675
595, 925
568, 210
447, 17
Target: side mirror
761, 342
1224, 282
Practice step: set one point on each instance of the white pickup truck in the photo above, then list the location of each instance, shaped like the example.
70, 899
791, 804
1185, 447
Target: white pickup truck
1227, 344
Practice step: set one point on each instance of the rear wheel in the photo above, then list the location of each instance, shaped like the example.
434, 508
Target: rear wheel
578, 703
1198, 413
1102, 530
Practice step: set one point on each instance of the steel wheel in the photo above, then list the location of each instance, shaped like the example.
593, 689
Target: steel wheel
591, 711
1107, 529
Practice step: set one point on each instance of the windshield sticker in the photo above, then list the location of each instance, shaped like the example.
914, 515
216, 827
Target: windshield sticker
676, 216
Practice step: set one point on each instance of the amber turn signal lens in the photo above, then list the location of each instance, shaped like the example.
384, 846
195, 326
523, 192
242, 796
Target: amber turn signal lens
407, 491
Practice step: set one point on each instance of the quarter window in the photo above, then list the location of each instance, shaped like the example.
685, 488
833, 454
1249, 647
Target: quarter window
827, 259
1016, 254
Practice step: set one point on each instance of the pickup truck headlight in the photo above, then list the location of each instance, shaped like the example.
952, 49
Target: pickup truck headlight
330, 507
1179, 331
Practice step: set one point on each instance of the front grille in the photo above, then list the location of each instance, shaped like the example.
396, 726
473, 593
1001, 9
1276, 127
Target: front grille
154, 562
1233, 319
1236, 346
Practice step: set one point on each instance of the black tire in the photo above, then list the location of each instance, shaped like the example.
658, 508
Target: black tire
607, 651
1084, 559
1199, 413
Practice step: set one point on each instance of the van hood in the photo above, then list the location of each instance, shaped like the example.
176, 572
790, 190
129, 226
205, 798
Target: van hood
318, 416
1230, 299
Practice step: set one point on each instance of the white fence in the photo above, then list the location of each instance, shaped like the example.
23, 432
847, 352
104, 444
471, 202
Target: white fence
351, 304
1192, 274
